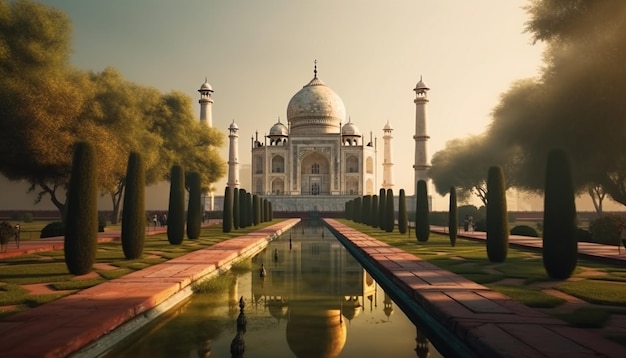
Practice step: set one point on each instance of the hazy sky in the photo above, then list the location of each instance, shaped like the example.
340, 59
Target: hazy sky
258, 54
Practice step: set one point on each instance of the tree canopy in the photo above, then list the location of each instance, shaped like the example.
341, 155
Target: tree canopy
575, 103
48, 106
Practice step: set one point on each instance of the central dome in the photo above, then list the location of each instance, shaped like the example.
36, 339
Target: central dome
315, 109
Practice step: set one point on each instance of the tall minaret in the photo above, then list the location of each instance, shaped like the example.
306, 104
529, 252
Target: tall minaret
387, 162
422, 163
206, 102
233, 156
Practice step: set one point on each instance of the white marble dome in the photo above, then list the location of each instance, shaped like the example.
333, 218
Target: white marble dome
206, 86
279, 129
350, 129
315, 109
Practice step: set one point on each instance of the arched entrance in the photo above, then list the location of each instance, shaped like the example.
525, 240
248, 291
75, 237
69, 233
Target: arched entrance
315, 175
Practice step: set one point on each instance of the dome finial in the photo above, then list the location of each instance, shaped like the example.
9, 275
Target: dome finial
315, 69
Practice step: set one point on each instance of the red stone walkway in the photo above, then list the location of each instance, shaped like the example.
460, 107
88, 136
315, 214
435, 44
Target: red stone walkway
64, 326
491, 324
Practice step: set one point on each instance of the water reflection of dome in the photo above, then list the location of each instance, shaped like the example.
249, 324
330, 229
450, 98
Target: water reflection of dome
315, 332
351, 308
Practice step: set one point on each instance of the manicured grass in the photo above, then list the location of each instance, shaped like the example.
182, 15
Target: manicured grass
600, 292
587, 317
49, 267
469, 259
531, 297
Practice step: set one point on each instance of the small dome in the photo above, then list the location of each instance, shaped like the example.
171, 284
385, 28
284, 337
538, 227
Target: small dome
350, 129
279, 129
421, 85
387, 126
233, 126
206, 86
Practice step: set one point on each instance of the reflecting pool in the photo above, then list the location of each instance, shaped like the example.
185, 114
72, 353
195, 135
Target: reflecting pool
305, 297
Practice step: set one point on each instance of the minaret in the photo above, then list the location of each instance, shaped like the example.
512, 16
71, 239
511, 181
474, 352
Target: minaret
206, 102
233, 156
387, 162
422, 163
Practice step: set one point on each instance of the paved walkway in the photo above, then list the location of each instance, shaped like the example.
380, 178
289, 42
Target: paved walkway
491, 324
63, 326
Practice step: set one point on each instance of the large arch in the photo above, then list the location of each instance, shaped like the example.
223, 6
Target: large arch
369, 187
369, 165
315, 174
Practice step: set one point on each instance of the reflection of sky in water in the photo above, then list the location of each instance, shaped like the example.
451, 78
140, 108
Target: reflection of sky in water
294, 311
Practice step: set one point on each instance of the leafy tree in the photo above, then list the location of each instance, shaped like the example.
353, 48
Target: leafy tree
194, 206
497, 219
176, 209
81, 226
236, 209
227, 217
560, 248
389, 211
453, 223
422, 220
134, 214
403, 218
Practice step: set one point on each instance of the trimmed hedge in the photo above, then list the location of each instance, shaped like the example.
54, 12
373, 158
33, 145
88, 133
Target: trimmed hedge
497, 220
134, 209
453, 223
194, 206
81, 225
422, 222
176, 209
524, 230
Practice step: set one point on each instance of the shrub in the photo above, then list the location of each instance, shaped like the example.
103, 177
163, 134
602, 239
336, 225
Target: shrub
422, 218
227, 221
524, 230
382, 209
236, 209
453, 224
390, 212
176, 207
6, 232
102, 222
133, 214
497, 220
81, 225
605, 229
560, 248
194, 206
403, 219
53, 229
583, 235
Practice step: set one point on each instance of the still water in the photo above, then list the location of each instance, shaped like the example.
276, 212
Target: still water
311, 298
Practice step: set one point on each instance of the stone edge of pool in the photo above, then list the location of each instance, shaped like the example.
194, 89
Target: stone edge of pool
463, 318
81, 324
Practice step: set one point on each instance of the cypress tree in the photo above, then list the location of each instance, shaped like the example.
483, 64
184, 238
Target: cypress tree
249, 208
243, 209
560, 248
81, 225
375, 215
236, 209
382, 209
366, 209
389, 211
176, 209
357, 209
453, 220
403, 218
266, 210
194, 206
271, 211
227, 216
346, 209
497, 220
422, 221
256, 210
134, 209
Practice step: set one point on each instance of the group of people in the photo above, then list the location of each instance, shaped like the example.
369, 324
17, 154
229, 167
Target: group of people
159, 220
